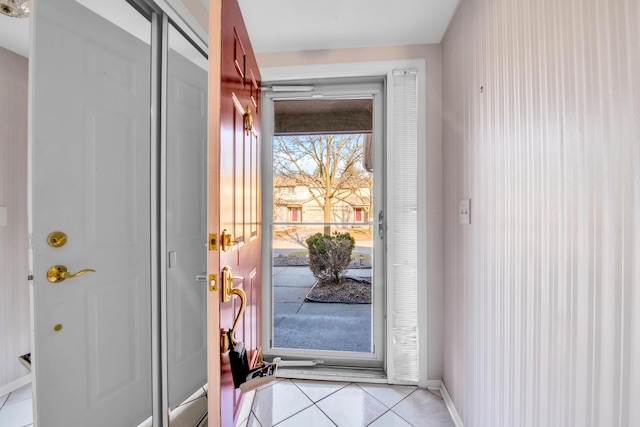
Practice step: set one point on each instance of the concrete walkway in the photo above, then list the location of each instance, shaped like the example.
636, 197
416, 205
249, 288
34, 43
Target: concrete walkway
317, 326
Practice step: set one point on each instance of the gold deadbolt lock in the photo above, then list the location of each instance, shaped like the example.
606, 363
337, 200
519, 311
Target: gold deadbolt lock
226, 240
57, 239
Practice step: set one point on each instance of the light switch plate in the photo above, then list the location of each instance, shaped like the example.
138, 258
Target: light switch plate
3, 216
465, 211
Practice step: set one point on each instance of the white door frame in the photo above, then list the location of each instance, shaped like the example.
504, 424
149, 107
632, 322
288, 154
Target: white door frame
385, 69
375, 90
178, 13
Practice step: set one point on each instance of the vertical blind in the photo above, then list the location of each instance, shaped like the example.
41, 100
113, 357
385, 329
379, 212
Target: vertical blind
403, 225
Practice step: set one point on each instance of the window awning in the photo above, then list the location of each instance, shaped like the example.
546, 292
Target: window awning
323, 116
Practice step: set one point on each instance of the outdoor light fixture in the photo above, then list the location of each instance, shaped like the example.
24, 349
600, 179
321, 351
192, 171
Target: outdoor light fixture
15, 8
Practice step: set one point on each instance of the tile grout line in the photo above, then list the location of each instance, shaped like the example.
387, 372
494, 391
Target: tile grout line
5, 404
325, 414
436, 395
312, 402
325, 397
319, 400
302, 410
385, 405
388, 408
381, 415
6, 400
254, 416
271, 385
293, 415
400, 416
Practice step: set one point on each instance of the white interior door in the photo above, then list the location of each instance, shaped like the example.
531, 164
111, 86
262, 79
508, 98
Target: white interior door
90, 178
186, 218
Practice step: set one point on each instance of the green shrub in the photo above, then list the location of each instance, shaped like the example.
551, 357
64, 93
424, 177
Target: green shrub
329, 256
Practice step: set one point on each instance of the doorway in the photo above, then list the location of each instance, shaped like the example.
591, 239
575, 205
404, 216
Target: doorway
324, 218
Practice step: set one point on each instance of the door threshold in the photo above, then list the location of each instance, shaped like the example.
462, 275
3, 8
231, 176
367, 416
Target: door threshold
334, 374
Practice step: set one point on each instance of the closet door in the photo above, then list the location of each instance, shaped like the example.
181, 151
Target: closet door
90, 179
186, 194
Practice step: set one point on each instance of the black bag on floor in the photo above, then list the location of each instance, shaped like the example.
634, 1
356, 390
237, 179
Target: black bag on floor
238, 360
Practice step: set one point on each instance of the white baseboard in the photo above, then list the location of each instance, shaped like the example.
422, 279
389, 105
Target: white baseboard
434, 384
14, 385
439, 386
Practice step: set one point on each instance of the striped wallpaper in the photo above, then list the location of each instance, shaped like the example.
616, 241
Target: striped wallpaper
541, 105
14, 268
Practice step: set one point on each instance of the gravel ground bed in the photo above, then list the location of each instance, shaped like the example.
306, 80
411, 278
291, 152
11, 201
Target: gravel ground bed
349, 292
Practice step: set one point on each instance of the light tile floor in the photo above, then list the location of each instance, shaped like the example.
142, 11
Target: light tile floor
293, 403
16, 408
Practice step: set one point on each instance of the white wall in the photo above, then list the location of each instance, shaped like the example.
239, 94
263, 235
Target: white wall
433, 161
14, 289
542, 290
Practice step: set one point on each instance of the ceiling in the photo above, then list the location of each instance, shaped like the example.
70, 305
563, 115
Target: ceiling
286, 25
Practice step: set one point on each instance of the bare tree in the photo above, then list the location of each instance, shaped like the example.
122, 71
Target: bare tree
330, 166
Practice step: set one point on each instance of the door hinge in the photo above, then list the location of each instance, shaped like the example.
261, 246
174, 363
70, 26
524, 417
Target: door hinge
213, 242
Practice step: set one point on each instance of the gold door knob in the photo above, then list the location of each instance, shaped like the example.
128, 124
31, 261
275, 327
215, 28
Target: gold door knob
58, 273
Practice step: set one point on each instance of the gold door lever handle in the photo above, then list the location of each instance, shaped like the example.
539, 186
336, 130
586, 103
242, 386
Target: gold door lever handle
227, 292
227, 283
243, 303
58, 273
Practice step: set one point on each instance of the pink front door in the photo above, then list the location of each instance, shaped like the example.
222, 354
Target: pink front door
234, 173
